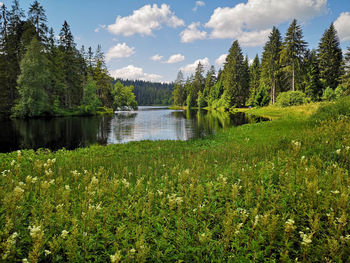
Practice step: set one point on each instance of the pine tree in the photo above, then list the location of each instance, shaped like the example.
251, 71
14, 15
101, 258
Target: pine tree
293, 52
33, 83
210, 81
270, 63
37, 16
312, 83
254, 79
234, 78
330, 58
179, 93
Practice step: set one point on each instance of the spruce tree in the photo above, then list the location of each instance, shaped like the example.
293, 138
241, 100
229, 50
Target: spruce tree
312, 83
330, 58
346, 77
270, 64
179, 93
37, 16
293, 52
33, 83
254, 79
210, 81
234, 78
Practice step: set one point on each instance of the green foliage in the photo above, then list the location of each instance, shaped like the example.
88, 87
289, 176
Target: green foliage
90, 101
254, 80
291, 98
333, 111
124, 98
33, 83
184, 201
328, 94
262, 97
201, 100
330, 58
339, 91
312, 84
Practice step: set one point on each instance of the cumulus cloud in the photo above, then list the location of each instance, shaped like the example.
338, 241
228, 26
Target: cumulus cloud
1, 4
120, 51
250, 22
98, 29
221, 60
134, 73
198, 4
191, 68
192, 33
144, 20
156, 57
342, 25
175, 59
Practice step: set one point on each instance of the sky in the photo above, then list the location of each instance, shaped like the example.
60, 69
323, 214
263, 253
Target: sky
153, 40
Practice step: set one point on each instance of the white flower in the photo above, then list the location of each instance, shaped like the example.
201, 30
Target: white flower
64, 233
67, 187
13, 162
47, 252
25, 260
34, 231
338, 151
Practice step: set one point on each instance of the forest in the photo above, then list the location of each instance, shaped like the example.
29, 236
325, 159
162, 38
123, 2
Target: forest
151, 93
44, 76
287, 74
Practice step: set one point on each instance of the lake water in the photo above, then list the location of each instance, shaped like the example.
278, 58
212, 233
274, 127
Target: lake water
148, 123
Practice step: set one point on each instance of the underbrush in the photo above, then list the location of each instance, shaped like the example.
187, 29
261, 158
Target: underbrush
273, 191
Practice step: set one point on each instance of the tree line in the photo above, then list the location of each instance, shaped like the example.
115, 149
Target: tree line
41, 75
287, 69
151, 93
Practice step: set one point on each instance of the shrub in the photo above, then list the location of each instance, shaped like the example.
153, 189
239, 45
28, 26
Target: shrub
341, 107
291, 98
328, 94
339, 91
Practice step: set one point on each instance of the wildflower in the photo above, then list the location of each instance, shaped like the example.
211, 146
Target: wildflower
303, 158
35, 231
13, 162
67, 187
132, 251
238, 228
306, 238
116, 257
319, 191
126, 183
18, 191
25, 260
64, 233
289, 225
47, 252
94, 180
347, 148
160, 192
338, 151
335, 192
3, 173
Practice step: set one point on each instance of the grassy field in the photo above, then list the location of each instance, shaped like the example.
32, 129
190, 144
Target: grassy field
273, 191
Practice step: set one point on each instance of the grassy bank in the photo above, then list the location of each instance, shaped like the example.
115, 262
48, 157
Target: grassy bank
272, 191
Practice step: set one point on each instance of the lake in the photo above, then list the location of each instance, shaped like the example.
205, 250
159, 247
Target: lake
148, 123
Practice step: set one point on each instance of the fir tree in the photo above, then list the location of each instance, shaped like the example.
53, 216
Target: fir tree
179, 93
210, 81
234, 78
313, 85
293, 52
254, 79
330, 58
37, 16
270, 64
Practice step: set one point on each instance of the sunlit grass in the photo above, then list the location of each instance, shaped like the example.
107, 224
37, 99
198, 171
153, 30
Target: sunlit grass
271, 191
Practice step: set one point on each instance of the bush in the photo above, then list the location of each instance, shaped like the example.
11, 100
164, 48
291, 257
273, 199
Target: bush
334, 110
328, 94
291, 98
339, 92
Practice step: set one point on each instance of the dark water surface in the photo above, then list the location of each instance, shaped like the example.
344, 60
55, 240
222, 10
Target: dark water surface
148, 123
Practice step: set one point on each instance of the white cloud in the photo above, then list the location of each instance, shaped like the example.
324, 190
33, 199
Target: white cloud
99, 28
120, 51
1, 4
191, 33
221, 60
156, 57
342, 25
250, 22
198, 4
144, 20
191, 68
134, 73
175, 59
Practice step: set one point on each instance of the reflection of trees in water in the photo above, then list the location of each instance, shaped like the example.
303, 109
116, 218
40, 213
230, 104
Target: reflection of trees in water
124, 125
57, 133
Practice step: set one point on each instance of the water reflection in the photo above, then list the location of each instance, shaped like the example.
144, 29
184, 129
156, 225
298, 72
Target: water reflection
149, 123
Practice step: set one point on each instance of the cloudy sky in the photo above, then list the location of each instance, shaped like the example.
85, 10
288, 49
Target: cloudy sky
153, 40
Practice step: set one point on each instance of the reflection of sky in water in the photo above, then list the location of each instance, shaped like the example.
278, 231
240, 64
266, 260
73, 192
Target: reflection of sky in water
147, 124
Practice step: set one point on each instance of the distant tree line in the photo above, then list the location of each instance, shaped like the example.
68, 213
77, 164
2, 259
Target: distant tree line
151, 93
287, 69
41, 75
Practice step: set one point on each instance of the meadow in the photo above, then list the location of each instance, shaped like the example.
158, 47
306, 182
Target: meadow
275, 191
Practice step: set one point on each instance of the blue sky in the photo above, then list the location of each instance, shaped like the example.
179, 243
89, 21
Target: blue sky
152, 40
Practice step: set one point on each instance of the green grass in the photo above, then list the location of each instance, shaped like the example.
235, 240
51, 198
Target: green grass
272, 191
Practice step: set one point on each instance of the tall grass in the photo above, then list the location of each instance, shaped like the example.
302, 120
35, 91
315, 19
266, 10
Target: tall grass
273, 191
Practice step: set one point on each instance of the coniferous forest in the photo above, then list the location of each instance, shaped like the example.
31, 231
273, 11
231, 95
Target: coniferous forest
44, 76
287, 74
